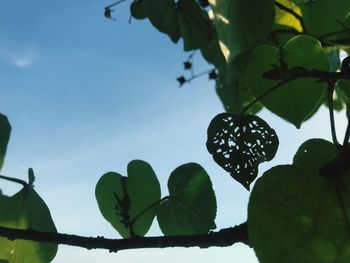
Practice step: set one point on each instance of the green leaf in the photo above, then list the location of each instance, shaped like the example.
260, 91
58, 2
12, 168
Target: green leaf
285, 18
195, 26
182, 19
295, 100
232, 89
164, 16
136, 9
313, 153
191, 207
138, 193
22, 211
5, 131
294, 215
240, 143
324, 16
242, 25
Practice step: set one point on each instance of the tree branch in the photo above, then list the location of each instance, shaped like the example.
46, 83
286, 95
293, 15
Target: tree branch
223, 238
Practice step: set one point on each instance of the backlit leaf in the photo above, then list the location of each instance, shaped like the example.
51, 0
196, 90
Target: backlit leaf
26, 210
294, 215
136, 192
242, 24
191, 207
295, 100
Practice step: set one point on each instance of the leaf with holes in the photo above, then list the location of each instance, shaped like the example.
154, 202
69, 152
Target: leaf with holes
26, 210
240, 143
122, 199
191, 206
5, 130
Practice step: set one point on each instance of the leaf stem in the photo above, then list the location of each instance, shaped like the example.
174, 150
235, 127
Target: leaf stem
347, 132
132, 222
331, 86
293, 13
115, 3
14, 180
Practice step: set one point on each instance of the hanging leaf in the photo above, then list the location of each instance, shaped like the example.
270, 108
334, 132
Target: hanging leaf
121, 199
300, 215
232, 89
184, 18
295, 100
191, 206
163, 15
26, 210
242, 25
240, 143
195, 25
5, 131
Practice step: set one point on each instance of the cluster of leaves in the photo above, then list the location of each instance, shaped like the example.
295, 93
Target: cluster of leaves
282, 55
276, 54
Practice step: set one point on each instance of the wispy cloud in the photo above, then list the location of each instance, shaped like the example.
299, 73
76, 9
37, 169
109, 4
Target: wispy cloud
18, 58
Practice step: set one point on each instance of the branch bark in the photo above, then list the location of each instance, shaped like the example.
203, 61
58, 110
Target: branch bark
223, 238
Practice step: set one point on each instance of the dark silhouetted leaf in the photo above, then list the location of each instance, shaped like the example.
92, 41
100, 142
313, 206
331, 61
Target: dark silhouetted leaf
240, 143
137, 11
191, 207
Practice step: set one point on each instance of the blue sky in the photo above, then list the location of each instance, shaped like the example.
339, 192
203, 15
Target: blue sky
86, 95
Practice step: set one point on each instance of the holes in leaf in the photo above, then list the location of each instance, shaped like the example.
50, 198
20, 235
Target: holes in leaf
240, 143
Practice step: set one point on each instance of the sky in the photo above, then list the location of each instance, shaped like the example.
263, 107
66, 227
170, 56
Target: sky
85, 95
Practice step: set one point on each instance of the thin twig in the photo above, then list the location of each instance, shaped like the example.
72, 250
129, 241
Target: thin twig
293, 13
115, 3
223, 238
14, 180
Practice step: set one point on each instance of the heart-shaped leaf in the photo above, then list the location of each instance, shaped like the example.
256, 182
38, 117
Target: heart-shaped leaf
295, 215
26, 210
5, 130
295, 100
240, 143
191, 206
129, 203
